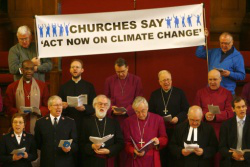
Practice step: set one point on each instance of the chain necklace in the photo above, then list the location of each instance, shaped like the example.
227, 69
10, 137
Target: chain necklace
103, 144
123, 87
166, 105
141, 134
26, 92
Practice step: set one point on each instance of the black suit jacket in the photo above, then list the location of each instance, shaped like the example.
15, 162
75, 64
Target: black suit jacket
9, 143
228, 139
48, 138
206, 140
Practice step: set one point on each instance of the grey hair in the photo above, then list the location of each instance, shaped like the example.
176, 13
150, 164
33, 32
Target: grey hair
101, 96
196, 109
163, 72
226, 34
22, 30
138, 100
52, 98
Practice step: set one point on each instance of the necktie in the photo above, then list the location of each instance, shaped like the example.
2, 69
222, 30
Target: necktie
55, 122
239, 134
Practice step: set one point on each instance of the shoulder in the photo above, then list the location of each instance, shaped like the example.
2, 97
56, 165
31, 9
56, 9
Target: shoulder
181, 126
40, 83
13, 84
237, 53
7, 135
134, 77
43, 119
111, 78
155, 116
86, 83
177, 90
130, 119
224, 90
28, 135
14, 48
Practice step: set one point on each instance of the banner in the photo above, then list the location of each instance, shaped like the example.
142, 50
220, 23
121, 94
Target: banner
114, 32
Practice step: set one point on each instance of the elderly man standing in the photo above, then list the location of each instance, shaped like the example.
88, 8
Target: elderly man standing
215, 95
27, 92
227, 59
26, 50
122, 89
141, 128
98, 125
49, 130
235, 134
193, 132
168, 100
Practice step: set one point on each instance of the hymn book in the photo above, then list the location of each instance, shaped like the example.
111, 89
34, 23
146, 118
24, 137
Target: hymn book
239, 151
27, 110
75, 101
19, 151
167, 118
120, 109
190, 147
213, 109
100, 140
148, 146
65, 143
219, 69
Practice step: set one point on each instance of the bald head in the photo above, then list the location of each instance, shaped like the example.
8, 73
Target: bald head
165, 80
195, 116
214, 79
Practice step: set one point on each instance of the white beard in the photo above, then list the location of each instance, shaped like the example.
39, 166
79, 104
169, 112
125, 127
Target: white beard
100, 114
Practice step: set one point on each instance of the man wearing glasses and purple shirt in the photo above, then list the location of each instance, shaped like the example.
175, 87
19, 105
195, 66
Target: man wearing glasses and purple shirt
226, 59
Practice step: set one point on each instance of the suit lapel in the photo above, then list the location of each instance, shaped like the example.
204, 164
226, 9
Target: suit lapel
234, 132
23, 139
245, 129
13, 139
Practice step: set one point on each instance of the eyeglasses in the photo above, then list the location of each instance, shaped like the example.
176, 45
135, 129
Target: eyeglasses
225, 43
18, 122
105, 104
165, 80
57, 105
77, 67
24, 39
141, 112
195, 121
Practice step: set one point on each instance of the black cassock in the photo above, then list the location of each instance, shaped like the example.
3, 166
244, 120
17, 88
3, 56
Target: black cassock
48, 138
71, 88
115, 144
206, 140
9, 143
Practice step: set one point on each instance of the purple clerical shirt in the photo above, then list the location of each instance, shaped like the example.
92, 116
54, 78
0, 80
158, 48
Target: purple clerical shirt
122, 93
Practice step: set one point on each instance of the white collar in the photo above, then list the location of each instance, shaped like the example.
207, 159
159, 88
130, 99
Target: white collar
18, 135
191, 130
76, 80
52, 118
238, 119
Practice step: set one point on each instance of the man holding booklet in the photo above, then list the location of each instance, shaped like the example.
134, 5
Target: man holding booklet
144, 135
214, 96
234, 137
101, 137
56, 136
27, 95
194, 142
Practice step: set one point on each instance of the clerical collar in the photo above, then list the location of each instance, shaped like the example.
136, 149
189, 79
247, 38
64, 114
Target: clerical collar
193, 131
238, 119
76, 80
166, 91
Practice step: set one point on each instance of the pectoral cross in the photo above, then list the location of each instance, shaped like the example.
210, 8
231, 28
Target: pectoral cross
28, 96
165, 111
141, 142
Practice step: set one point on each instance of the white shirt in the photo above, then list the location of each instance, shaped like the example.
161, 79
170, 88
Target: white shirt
18, 137
52, 119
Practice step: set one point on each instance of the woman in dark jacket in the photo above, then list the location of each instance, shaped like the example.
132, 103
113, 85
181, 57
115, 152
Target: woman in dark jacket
17, 138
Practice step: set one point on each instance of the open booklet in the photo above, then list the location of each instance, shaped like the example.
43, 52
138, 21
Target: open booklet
191, 147
100, 140
75, 101
65, 143
19, 151
167, 118
120, 109
27, 110
219, 69
213, 109
239, 151
148, 146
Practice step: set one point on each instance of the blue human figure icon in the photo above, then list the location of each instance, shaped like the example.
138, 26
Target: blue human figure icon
168, 20
176, 21
66, 29
183, 21
54, 30
198, 20
47, 30
189, 20
60, 30
40, 30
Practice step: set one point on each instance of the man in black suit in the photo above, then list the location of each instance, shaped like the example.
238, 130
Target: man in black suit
49, 130
193, 132
235, 134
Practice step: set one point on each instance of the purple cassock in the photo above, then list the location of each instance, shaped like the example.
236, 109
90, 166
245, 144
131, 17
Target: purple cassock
142, 131
122, 93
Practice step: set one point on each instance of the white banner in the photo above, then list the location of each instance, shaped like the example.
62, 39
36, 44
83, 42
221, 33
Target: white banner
113, 32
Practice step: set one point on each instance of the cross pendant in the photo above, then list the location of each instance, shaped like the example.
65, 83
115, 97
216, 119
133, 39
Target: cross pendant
28, 96
141, 142
165, 111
